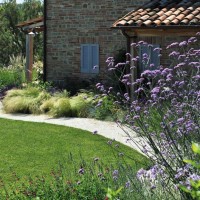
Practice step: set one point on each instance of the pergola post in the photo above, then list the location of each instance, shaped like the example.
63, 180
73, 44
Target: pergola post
30, 27
29, 57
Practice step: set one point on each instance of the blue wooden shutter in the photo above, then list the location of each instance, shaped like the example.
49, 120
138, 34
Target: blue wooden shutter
90, 58
85, 62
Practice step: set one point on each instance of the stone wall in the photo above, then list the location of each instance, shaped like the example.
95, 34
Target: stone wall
71, 23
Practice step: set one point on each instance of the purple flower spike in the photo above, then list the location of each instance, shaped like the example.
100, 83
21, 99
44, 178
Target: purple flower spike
155, 90
180, 120
115, 172
81, 171
172, 45
127, 184
98, 84
184, 43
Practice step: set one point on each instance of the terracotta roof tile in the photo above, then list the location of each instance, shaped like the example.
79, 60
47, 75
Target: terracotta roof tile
163, 12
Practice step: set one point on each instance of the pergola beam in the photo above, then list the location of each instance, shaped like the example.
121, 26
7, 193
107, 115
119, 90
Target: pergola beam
36, 26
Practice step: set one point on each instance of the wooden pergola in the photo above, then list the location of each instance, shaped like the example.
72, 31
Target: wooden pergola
30, 28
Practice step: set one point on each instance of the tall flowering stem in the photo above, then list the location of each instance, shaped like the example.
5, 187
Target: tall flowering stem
165, 108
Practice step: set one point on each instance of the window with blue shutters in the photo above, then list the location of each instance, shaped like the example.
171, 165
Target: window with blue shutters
149, 57
90, 58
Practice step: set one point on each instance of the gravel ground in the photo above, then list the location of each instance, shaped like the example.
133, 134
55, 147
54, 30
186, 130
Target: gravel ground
107, 129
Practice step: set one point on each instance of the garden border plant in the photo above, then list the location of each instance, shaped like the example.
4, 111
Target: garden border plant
171, 95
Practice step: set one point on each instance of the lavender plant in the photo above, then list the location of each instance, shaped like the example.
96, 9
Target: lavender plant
163, 109
86, 180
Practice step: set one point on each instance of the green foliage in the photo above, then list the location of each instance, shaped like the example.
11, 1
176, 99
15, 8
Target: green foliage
195, 185
37, 72
12, 40
13, 75
61, 108
61, 94
47, 105
72, 185
80, 105
57, 107
10, 77
35, 99
196, 148
111, 194
26, 100
107, 110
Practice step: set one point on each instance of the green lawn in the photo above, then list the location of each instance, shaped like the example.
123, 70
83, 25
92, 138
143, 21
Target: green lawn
36, 148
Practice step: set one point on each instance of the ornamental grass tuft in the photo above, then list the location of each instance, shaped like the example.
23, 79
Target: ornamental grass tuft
81, 105
24, 100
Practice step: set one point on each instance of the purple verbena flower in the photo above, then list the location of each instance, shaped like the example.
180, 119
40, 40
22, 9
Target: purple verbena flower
155, 90
115, 172
81, 171
184, 43
172, 45
127, 184
180, 120
174, 53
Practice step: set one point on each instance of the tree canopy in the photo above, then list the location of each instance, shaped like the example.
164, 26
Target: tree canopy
12, 39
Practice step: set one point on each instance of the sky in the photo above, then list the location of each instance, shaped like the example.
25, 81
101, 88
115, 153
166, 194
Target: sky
18, 1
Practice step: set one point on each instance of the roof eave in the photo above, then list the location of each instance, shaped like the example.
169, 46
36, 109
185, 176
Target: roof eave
157, 27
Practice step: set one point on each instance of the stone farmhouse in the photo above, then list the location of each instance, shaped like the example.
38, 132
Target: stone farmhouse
80, 35
79, 38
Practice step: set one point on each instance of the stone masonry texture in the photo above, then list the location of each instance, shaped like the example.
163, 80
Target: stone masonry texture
70, 23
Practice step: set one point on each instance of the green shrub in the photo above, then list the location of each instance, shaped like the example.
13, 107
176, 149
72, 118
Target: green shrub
61, 94
26, 100
47, 105
14, 74
57, 107
107, 110
11, 77
16, 104
61, 108
36, 103
36, 100
80, 105
37, 74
